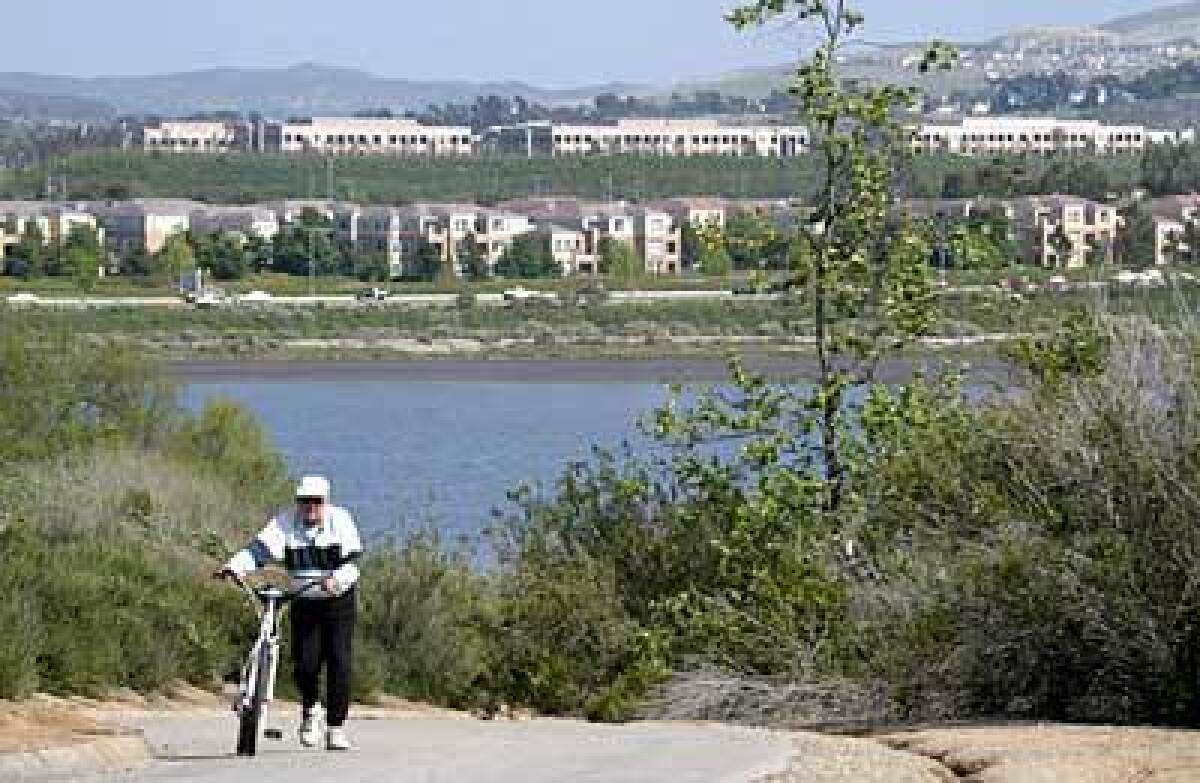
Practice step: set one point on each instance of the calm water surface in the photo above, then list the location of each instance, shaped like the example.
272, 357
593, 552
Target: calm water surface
412, 452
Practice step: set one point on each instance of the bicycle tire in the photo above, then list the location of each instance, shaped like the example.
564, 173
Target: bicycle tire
251, 715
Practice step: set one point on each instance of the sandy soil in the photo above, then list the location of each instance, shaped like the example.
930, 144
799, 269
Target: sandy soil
1050, 753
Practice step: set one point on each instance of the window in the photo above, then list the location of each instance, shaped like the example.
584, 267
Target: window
378, 140
497, 224
287, 137
619, 225
362, 139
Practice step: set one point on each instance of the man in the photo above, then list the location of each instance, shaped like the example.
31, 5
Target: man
317, 542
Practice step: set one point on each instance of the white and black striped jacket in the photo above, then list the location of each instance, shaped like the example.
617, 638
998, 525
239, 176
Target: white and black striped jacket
332, 548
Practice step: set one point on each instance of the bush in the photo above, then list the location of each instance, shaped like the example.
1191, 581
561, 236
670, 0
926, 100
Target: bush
424, 620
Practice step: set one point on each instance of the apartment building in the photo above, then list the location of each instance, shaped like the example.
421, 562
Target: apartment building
246, 222
1171, 216
694, 210
143, 225
193, 137
662, 137
54, 223
658, 239
448, 228
1065, 232
1037, 136
651, 231
368, 136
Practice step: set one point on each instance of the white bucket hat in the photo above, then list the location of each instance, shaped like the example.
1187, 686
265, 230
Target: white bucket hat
313, 487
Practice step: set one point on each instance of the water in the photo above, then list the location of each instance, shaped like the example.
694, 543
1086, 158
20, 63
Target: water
402, 452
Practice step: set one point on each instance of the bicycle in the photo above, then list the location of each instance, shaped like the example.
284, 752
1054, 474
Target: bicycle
256, 687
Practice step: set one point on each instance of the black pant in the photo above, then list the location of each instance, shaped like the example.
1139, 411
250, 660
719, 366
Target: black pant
322, 631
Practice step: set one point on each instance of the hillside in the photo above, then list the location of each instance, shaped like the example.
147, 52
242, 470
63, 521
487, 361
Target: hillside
1170, 23
298, 90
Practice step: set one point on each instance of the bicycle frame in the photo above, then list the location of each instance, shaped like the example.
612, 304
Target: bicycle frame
256, 688
268, 601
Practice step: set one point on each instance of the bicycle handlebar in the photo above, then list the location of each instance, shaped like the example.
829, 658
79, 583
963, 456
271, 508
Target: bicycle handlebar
286, 595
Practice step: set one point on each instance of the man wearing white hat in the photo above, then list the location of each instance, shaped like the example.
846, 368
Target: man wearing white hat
317, 542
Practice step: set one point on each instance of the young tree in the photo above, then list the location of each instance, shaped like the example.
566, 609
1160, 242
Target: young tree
83, 256
529, 257
30, 257
472, 259
424, 262
870, 285
175, 258
619, 260
1063, 247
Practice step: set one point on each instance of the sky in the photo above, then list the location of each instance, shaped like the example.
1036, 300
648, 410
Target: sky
552, 43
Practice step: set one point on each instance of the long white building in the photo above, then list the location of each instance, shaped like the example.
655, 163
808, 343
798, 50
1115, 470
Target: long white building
1038, 136
663, 137
188, 136
367, 135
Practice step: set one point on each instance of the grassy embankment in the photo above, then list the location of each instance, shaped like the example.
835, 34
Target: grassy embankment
660, 329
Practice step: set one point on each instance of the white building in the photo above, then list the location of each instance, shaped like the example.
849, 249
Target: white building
244, 221
187, 136
1038, 136
369, 135
665, 137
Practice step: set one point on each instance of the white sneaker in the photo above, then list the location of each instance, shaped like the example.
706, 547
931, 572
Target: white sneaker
336, 739
310, 727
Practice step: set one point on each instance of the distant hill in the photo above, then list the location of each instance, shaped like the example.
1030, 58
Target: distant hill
299, 90
1170, 23
36, 106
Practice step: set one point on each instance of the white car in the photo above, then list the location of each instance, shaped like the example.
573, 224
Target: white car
520, 294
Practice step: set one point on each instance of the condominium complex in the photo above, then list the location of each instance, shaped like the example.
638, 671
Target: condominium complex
666, 137
1056, 231
1038, 136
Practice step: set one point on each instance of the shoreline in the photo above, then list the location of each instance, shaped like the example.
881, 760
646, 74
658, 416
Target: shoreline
549, 370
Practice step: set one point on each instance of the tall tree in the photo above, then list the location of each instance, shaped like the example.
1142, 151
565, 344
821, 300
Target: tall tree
869, 282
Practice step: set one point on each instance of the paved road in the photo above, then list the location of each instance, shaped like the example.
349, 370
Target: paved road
439, 750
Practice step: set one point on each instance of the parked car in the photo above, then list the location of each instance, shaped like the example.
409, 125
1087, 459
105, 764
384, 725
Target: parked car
372, 295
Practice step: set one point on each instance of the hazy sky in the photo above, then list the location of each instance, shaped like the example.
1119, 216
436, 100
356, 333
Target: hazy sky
546, 42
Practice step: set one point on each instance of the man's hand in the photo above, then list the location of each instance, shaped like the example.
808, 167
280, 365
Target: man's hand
330, 585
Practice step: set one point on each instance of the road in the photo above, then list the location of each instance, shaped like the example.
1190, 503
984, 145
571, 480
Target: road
449, 750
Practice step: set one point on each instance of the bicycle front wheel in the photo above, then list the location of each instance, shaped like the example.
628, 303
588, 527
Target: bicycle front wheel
251, 713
